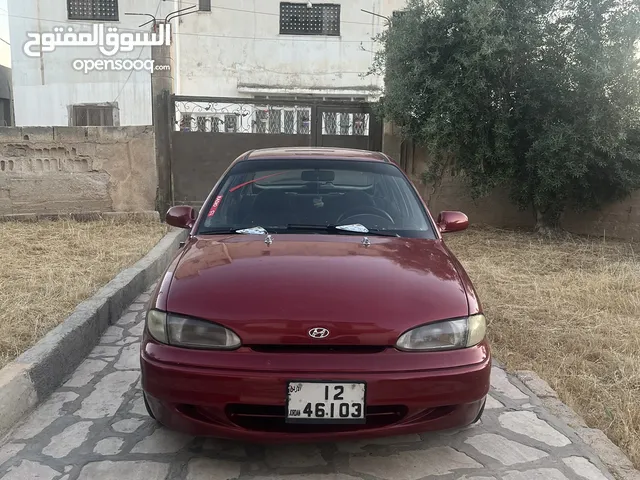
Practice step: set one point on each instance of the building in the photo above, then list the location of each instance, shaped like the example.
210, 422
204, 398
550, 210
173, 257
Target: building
48, 91
265, 49
6, 114
234, 48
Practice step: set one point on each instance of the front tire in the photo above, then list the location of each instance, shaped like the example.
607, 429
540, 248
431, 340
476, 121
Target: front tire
479, 416
146, 405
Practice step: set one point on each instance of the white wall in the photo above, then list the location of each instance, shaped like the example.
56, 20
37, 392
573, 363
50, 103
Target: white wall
5, 49
238, 43
45, 87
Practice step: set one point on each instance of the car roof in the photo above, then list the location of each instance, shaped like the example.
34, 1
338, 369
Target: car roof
315, 153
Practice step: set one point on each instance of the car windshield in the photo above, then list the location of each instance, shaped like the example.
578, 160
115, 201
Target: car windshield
291, 196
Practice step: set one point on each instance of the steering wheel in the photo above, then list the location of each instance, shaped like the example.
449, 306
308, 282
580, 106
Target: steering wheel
364, 210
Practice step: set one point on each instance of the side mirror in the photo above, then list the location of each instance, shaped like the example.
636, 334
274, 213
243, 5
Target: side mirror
182, 216
452, 222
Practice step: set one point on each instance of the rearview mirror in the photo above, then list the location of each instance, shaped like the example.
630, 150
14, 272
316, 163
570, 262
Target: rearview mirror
181, 216
318, 176
452, 222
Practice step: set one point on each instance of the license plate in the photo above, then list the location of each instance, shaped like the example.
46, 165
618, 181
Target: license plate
326, 402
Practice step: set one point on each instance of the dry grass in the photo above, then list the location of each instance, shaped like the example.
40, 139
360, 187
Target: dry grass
570, 311
48, 267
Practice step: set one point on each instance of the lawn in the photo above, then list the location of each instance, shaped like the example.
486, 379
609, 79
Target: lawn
570, 311
48, 267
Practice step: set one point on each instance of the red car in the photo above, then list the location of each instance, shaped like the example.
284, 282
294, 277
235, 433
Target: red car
314, 300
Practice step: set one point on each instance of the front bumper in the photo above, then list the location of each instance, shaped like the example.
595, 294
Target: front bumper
244, 396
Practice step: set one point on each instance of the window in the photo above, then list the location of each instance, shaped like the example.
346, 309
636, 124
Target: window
92, 10
300, 19
276, 193
231, 123
93, 115
204, 5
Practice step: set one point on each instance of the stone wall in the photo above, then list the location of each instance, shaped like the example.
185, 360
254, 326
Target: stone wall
77, 169
619, 220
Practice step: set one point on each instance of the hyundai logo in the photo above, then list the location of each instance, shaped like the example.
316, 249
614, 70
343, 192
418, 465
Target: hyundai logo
318, 332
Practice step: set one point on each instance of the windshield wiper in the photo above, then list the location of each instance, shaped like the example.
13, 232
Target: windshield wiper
349, 229
249, 230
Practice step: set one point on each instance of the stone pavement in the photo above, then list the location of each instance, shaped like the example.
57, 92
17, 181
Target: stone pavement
95, 427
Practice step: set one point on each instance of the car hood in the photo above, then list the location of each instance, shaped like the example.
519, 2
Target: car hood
274, 294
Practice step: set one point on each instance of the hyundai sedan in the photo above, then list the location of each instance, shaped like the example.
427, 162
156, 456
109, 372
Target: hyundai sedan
314, 300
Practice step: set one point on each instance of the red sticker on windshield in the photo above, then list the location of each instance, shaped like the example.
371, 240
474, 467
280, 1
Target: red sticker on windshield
215, 206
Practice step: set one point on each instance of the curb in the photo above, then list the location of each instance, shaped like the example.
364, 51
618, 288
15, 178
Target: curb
35, 374
609, 453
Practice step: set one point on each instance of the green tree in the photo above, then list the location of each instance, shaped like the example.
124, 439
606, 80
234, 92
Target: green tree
539, 96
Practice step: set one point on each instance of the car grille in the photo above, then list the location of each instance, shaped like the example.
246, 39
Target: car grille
318, 348
269, 418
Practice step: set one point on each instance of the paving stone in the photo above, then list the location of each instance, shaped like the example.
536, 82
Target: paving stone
9, 451
137, 307
413, 465
357, 447
127, 319
69, 439
537, 474
140, 470
128, 340
476, 478
139, 407
129, 358
106, 398
294, 456
85, 373
31, 471
112, 335
492, 403
45, 415
128, 425
162, 441
208, 469
309, 476
144, 298
505, 451
584, 468
137, 330
501, 383
528, 423
109, 446
103, 351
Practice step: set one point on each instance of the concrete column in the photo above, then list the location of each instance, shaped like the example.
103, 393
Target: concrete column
161, 91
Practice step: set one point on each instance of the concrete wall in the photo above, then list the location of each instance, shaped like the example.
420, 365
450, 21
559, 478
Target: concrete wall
45, 87
236, 50
77, 169
619, 220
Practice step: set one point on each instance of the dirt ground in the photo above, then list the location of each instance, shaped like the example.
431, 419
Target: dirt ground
570, 311
48, 267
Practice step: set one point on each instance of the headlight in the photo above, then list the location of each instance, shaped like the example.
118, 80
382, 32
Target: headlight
447, 335
187, 332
